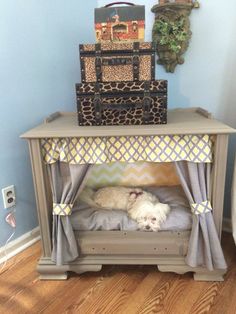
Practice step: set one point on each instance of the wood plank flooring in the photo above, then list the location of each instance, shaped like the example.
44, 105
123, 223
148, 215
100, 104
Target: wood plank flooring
116, 289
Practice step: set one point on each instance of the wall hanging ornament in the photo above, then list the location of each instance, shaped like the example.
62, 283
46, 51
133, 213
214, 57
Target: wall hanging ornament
171, 31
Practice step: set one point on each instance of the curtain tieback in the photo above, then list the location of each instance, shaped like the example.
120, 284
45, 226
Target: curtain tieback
62, 209
201, 208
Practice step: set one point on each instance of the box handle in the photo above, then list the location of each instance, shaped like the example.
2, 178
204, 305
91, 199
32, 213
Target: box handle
119, 2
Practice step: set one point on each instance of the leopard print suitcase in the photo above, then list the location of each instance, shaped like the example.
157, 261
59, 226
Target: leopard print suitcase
122, 103
109, 62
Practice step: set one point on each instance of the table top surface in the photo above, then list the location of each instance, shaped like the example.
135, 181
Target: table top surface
180, 121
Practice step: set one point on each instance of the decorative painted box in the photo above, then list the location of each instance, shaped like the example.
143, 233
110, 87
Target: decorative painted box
122, 23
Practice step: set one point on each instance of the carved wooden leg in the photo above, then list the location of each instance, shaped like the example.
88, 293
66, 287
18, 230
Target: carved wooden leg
59, 276
49, 271
199, 274
209, 276
178, 269
80, 269
53, 274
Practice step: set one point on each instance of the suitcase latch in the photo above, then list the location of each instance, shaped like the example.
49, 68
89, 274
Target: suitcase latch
147, 104
136, 67
147, 101
136, 62
97, 108
146, 108
98, 68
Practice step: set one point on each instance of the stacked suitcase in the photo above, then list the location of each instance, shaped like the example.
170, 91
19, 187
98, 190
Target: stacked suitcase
118, 85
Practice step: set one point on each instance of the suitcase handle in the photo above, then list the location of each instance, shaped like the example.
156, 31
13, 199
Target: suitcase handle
99, 106
145, 104
134, 60
100, 61
103, 61
119, 2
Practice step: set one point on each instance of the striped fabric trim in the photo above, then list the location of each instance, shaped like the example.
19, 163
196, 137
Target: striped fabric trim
98, 150
201, 208
62, 209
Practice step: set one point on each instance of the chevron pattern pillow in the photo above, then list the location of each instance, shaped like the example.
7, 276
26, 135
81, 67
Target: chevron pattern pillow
133, 174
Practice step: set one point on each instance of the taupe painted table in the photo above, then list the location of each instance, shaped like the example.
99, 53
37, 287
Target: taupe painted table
164, 249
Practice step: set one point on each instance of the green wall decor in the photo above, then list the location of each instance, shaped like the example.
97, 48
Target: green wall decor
171, 31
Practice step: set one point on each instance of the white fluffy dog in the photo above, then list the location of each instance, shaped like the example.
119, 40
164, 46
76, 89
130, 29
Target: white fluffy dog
144, 207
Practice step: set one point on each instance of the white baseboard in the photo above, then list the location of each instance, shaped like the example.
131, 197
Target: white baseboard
18, 245
227, 225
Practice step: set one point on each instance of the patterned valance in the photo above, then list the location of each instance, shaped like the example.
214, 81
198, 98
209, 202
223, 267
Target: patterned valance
98, 150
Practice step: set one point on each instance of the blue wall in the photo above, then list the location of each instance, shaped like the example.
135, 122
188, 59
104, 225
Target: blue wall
39, 66
207, 74
207, 78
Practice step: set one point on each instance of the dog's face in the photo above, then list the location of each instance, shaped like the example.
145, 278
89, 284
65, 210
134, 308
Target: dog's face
150, 217
149, 223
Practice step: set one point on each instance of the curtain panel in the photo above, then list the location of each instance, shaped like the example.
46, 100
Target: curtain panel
67, 181
204, 245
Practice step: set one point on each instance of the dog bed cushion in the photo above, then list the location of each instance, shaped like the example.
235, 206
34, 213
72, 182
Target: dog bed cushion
87, 218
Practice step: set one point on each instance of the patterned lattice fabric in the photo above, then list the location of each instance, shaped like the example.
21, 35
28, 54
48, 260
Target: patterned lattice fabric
62, 209
98, 150
201, 208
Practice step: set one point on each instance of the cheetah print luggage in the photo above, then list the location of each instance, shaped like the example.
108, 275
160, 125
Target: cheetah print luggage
122, 103
109, 62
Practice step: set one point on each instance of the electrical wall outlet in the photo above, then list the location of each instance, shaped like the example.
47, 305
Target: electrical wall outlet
9, 196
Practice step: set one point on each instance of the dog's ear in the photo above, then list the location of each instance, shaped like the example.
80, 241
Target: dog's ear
132, 196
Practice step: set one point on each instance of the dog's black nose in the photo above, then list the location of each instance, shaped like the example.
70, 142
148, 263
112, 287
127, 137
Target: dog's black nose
148, 227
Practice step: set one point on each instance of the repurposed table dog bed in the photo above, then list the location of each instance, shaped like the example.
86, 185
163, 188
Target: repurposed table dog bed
62, 155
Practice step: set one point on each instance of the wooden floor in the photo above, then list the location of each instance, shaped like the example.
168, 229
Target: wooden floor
116, 289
